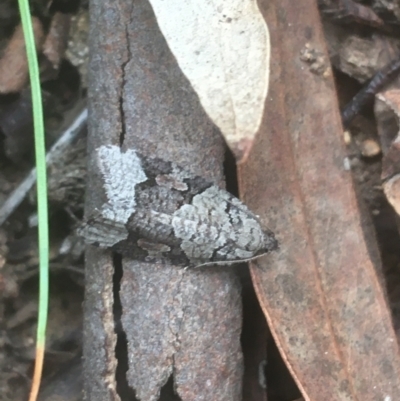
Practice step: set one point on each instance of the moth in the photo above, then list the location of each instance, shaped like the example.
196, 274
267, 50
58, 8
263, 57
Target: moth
157, 211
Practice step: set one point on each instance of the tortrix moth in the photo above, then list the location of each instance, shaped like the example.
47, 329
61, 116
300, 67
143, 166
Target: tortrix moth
158, 211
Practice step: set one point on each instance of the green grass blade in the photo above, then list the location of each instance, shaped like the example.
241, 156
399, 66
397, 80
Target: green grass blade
42, 208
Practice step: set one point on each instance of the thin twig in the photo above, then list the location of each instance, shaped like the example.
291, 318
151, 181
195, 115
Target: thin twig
367, 93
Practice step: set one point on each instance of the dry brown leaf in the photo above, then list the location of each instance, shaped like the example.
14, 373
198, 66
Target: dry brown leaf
361, 57
347, 11
391, 160
387, 117
321, 294
13, 63
56, 40
392, 98
392, 192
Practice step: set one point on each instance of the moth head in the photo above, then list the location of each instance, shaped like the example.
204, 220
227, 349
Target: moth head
270, 242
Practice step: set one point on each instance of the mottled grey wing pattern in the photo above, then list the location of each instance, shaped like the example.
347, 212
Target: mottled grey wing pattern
173, 216
102, 231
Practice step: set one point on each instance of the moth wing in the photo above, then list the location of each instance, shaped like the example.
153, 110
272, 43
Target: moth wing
102, 229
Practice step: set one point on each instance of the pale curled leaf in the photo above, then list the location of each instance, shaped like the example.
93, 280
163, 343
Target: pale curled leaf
223, 49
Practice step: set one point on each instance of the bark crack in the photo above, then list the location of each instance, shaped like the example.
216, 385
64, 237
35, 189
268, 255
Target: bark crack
124, 65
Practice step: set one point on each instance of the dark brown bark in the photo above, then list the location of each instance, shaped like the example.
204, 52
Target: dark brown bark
181, 322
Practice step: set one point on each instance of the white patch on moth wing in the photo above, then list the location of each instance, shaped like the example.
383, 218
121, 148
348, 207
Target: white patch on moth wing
202, 226
121, 173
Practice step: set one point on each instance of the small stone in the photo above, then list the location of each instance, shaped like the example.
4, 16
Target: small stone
370, 148
346, 164
347, 137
